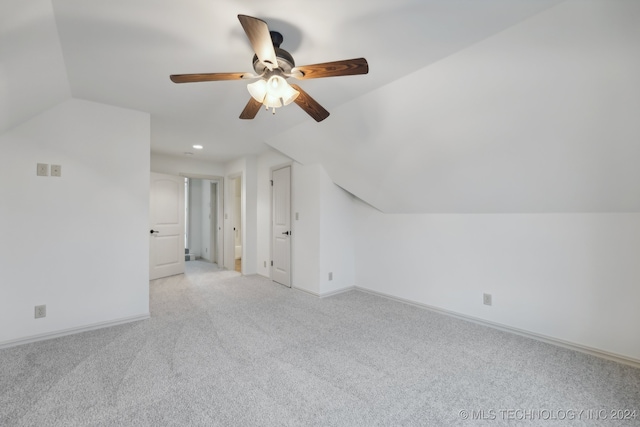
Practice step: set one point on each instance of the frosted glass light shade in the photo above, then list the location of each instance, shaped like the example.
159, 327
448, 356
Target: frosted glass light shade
279, 88
258, 90
271, 101
273, 93
289, 95
276, 86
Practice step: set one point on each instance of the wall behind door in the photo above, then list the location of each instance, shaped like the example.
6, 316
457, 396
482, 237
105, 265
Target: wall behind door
206, 251
195, 216
201, 215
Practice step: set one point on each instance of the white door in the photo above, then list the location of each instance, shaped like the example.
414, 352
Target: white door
166, 237
281, 271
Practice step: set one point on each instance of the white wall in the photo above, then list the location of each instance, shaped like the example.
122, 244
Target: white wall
237, 211
195, 216
540, 117
337, 237
266, 162
33, 74
232, 170
246, 168
206, 252
485, 148
77, 243
305, 200
571, 277
201, 214
250, 225
173, 165
323, 236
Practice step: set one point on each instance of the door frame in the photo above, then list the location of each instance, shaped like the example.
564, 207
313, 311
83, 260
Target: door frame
291, 219
229, 220
216, 234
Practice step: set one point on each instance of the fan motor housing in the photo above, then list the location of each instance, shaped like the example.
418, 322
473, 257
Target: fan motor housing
285, 60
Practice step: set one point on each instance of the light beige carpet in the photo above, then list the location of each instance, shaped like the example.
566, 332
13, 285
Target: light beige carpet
222, 349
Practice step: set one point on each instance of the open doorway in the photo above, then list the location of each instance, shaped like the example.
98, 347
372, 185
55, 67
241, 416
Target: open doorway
203, 213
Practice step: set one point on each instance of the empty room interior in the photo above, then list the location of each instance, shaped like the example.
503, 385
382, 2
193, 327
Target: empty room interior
419, 212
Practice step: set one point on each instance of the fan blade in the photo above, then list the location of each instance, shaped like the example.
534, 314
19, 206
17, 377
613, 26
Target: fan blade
208, 77
348, 67
251, 109
310, 105
260, 39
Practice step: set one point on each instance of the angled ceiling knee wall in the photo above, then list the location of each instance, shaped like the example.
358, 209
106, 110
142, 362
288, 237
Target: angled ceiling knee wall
537, 118
33, 76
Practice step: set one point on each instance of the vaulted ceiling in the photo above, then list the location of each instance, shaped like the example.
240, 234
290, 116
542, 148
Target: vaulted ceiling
469, 106
121, 52
541, 117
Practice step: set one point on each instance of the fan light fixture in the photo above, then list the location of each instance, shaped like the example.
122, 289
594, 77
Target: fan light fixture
273, 92
272, 66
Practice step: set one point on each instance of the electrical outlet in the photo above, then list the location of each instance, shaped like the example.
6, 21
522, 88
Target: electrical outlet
42, 169
486, 299
265, 263
56, 170
297, 216
330, 276
40, 311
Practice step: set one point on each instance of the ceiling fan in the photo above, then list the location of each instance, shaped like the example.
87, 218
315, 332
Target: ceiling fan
273, 66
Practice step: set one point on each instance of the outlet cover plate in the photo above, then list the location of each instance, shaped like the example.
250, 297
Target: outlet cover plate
42, 169
40, 311
486, 299
56, 170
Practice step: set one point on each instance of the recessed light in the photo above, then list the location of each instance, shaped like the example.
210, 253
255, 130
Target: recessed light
198, 147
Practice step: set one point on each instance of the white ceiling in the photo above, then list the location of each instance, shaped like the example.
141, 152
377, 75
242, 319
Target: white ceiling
121, 52
469, 106
33, 75
541, 117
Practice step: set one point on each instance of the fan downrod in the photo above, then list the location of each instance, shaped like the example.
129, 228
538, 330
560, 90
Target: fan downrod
276, 38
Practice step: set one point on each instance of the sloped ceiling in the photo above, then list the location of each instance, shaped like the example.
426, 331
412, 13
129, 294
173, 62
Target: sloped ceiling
33, 77
121, 52
542, 117
469, 106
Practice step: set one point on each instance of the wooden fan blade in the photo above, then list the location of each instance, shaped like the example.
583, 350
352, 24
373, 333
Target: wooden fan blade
258, 33
251, 109
310, 105
348, 67
207, 77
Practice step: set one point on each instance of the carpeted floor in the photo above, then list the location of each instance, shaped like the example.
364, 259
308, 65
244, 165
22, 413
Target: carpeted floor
222, 349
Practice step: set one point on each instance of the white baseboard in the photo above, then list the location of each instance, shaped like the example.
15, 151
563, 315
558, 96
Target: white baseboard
71, 331
337, 292
315, 294
538, 337
326, 294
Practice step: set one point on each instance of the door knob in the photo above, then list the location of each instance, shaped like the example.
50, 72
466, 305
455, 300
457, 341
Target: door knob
285, 232
153, 231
